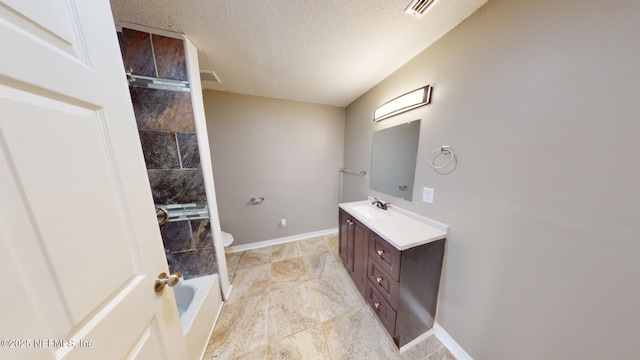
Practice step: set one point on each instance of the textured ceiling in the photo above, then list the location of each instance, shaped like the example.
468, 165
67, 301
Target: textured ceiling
319, 51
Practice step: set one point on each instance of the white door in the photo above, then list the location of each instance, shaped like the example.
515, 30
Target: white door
80, 247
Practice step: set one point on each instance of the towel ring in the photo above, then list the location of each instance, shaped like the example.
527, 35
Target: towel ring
446, 150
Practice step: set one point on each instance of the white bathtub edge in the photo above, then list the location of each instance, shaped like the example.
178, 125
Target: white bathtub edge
213, 326
197, 334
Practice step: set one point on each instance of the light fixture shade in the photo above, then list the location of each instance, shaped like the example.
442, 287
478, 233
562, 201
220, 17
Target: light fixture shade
402, 103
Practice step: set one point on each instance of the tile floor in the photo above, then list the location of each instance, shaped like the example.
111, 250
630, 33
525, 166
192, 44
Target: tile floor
296, 301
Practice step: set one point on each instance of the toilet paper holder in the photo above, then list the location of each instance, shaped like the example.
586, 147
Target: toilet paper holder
256, 201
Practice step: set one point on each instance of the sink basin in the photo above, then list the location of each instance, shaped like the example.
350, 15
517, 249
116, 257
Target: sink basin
369, 212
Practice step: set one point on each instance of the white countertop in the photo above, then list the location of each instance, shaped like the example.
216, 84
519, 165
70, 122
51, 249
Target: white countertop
401, 228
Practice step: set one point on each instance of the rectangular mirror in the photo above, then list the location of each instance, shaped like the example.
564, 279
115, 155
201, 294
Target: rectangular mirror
393, 159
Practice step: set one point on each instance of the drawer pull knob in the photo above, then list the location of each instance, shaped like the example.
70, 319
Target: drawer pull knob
377, 305
379, 280
380, 252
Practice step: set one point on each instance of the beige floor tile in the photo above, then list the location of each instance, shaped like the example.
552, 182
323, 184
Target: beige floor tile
354, 336
285, 251
332, 243
423, 349
291, 309
313, 245
254, 257
334, 297
380, 332
261, 353
287, 306
289, 270
442, 354
232, 263
241, 328
254, 281
324, 266
307, 344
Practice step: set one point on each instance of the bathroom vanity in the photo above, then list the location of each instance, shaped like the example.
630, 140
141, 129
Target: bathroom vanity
394, 257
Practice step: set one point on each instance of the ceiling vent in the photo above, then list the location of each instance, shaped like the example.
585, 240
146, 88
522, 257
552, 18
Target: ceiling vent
209, 75
418, 7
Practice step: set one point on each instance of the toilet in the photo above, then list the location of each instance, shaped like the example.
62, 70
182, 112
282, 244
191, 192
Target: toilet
227, 239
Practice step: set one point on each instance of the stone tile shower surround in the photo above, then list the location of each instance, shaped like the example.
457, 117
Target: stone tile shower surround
162, 110
177, 186
189, 152
170, 58
166, 126
137, 54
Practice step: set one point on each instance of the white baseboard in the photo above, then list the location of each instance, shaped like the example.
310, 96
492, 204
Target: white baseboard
282, 240
456, 350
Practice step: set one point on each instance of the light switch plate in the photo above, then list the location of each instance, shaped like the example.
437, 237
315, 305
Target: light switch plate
427, 195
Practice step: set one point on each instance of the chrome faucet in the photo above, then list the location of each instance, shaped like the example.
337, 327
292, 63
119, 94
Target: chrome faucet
380, 204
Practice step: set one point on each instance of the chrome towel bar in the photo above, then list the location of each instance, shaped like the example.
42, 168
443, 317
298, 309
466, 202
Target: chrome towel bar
354, 172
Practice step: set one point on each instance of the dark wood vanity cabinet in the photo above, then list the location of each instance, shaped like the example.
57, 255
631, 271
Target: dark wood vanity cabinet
345, 240
400, 286
352, 248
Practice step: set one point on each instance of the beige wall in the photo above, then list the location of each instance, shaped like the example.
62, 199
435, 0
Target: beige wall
539, 100
289, 152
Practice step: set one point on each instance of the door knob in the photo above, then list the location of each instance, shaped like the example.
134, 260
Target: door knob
166, 280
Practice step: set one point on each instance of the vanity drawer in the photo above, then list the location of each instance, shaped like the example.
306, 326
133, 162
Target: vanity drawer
381, 307
385, 255
381, 280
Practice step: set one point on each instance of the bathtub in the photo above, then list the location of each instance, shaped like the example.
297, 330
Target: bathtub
199, 303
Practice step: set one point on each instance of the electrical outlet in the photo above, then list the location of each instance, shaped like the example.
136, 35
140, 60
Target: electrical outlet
427, 195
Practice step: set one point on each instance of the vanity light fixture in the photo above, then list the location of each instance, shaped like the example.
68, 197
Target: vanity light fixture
402, 103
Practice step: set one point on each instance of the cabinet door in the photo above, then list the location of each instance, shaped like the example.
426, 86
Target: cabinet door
345, 241
360, 239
